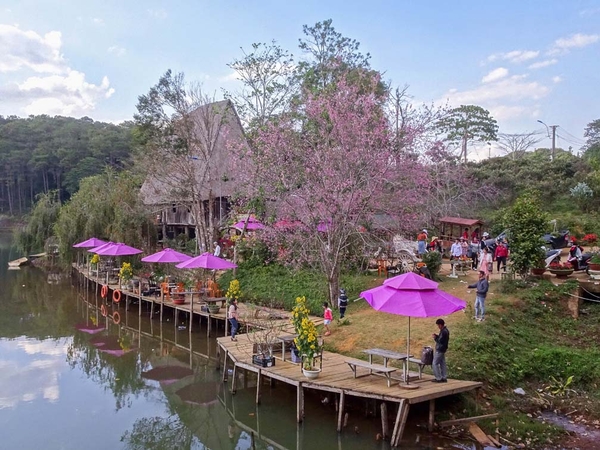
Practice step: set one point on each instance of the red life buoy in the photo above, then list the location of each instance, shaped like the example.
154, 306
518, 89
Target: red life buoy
104, 291
116, 296
103, 310
116, 318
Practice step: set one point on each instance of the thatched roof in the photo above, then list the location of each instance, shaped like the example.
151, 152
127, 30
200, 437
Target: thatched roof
215, 122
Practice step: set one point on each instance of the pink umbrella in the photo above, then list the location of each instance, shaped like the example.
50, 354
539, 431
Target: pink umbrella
206, 261
118, 249
90, 243
252, 225
101, 247
168, 255
414, 296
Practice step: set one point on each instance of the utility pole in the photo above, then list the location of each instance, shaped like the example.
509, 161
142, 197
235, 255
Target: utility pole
554, 127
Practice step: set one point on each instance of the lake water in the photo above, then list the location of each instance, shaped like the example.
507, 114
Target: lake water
72, 379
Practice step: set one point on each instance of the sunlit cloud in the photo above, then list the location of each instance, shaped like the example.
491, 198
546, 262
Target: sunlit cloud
544, 63
579, 40
495, 75
515, 56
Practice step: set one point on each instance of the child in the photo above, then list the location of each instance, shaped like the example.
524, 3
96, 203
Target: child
328, 316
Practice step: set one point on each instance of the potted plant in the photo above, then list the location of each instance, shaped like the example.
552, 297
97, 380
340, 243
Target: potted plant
94, 261
126, 273
306, 341
594, 262
539, 267
561, 270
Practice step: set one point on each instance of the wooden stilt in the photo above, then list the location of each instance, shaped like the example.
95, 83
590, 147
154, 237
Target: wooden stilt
224, 376
234, 379
140, 304
208, 326
191, 311
385, 424
258, 383
245, 379
299, 403
226, 323
341, 411
431, 415
403, 408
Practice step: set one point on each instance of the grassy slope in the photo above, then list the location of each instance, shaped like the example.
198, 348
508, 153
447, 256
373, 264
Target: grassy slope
528, 340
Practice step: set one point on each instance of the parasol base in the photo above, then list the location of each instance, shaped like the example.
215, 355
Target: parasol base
408, 386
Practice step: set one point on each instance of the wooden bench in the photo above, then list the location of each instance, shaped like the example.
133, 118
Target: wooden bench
374, 369
418, 362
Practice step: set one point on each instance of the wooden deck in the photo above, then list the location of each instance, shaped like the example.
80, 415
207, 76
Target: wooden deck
337, 377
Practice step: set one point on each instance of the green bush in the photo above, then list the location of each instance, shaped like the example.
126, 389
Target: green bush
434, 263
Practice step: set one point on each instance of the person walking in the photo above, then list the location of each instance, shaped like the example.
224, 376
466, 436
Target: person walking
482, 286
485, 261
501, 254
342, 303
441, 346
422, 242
233, 319
327, 317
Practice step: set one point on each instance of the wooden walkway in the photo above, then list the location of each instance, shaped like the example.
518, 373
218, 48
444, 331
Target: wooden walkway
337, 377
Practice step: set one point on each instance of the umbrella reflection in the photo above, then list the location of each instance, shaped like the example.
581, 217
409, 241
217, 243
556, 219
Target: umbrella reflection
112, 345
90, 329
167, 374
203, 393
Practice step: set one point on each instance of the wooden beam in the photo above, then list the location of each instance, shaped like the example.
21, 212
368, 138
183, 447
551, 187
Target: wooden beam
258, 383
224, 377
385, 425
341, 411
397, 423
234, 379
479, 434
431, 420
299, 403
402, 423
449, 423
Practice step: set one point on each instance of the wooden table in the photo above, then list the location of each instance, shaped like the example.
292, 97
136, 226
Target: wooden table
387, 355
461, 265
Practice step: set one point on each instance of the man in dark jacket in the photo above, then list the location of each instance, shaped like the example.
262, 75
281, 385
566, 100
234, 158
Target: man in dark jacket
441, 345
482, 286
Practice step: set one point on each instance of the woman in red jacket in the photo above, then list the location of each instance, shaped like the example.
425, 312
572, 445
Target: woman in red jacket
500, 255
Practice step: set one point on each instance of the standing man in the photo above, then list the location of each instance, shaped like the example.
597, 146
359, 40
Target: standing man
455, 250
422, 242
482, 286
441, 345
233, 319
342, 303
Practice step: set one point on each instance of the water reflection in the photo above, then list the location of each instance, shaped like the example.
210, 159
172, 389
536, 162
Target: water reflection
86, 382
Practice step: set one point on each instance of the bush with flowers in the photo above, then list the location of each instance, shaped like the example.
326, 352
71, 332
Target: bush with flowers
555, 265
590, 239
95, 260
307, 342
126, 272
234, 292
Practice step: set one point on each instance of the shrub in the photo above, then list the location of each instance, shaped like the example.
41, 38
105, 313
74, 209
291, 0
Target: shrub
434, 263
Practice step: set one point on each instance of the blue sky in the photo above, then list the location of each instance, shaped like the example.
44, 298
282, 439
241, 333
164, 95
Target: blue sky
524, 61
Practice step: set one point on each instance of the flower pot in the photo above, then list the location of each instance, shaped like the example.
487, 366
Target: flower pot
311, 374
593, 266
263, 361
178, 301
538, 271
561, 273
214, 309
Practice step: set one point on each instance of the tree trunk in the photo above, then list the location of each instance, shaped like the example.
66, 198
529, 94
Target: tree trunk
464, 146
333, 283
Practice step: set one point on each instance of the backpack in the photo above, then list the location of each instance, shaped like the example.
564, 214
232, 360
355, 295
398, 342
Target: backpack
427, 356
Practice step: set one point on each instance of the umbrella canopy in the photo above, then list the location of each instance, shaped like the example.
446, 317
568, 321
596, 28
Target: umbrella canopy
415, 296
168, 255
90, 243
101, 247
206, 261
118, 249
252, 225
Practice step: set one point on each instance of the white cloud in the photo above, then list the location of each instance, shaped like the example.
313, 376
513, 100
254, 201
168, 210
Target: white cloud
158, 13
579, 40
516, 56
117, 50
495, 75
58, 89
27, 49
545, 63
98, 21
556, 79
233, 76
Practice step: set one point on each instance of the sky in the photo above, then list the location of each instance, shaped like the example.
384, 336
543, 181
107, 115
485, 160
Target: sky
523, 61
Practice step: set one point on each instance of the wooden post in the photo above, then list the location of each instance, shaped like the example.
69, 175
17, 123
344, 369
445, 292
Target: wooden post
341, 411
299, 403
234, 379
385, 432
191, 311
224, 377
208, 326
401, 417
431, 415
258, 383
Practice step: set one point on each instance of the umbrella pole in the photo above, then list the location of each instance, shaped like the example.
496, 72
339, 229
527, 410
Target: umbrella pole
406, 376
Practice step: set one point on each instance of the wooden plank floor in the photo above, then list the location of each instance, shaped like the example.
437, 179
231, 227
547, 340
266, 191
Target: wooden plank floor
337, 376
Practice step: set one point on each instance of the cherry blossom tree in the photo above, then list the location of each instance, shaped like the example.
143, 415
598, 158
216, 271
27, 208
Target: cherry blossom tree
328, 171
